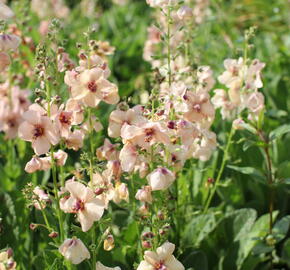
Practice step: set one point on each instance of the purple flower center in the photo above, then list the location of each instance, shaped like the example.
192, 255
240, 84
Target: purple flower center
92, 86
38, 131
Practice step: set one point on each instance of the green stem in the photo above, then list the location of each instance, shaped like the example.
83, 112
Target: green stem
168, 46
59, 213
224, 161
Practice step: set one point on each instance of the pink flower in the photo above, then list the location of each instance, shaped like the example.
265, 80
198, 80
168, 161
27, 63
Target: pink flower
74, 140
38, 129
100, 266
199, 107
121, 193
4, 61
160, 179
144, 194
42, 198
37, 164
83, 202
92, 87
74, 250
146, 135
185, 13
103, 187
60, 157
108, 151
255, 102
128, 157
120, 117
162, 259
5, 12
9, 42
75, 107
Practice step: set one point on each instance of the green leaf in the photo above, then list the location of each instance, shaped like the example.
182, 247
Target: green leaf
198, 229
196, 260
280, 131
259, 230
250, 171
281, 228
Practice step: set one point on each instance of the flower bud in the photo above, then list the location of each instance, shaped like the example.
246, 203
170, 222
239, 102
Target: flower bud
146, 244
53, 235
109, 243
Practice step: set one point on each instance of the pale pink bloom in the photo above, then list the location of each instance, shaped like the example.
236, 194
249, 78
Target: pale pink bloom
6, 260
255, 102
74, 250
5, 12
37, 164
162, 259
160, 179
94, 61
178, 155
205, 78
103, 187
154, 34
146, 135
119, 117
144, 194
108, 151
253, 75
9, 42
96, 125
199, 107
92, 87
200, 10
44, 27
114, 169
64, 62
234, 93
74, 140
185, 13
238, 124
100, 266
60, 157
63, 119
128, 157
234, 72
42, 198
161, 3
187, 132
121, 193
206, 145
38, 129
221, 100
75, 107
83, 202
4, 61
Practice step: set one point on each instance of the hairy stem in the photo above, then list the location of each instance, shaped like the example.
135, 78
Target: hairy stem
221, 170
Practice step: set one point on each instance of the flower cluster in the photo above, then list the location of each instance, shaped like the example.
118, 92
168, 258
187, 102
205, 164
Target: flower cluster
243, 81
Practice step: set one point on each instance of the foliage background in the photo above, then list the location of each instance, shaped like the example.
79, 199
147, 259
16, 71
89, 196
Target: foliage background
222, 239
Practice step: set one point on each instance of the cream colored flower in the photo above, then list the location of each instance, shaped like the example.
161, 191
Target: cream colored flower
83, 202
160, 178
74, 250
100, 266
162, 259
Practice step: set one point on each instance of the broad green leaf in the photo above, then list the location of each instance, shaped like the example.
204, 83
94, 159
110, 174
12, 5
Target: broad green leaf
281, 228
198, 229
250, 171
196, 260
280, 131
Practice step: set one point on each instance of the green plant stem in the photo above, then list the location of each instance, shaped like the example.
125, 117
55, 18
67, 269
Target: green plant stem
168, 46
91, 172
54, 177
221, 170
270, 184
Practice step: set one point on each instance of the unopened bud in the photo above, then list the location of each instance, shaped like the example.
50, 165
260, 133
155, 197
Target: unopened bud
109, 243
33, 226
53, 235
146, 244
99, 191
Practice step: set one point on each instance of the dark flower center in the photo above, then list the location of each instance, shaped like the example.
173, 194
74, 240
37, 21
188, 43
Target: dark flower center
92, 86
38, 131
